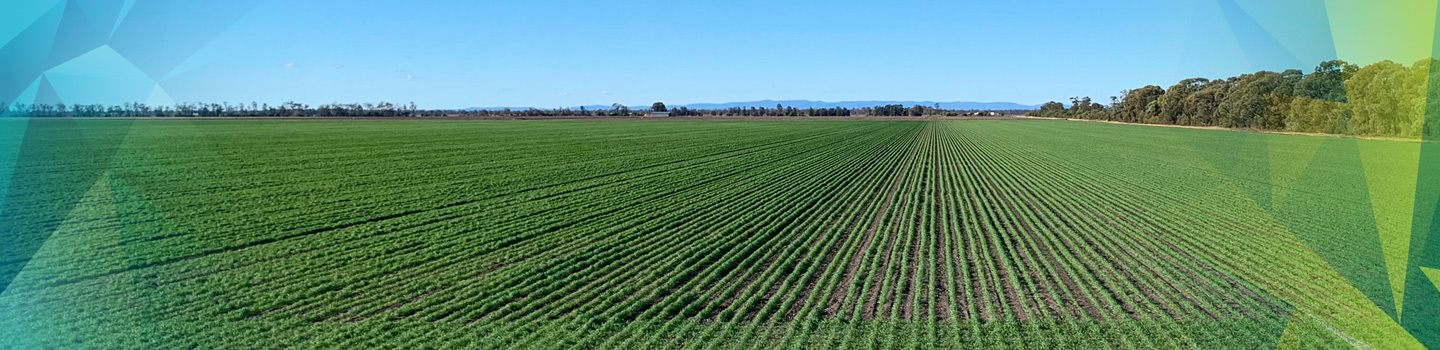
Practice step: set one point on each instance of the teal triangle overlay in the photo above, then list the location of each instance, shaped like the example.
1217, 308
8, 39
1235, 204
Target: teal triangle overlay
1267, 329
103, 14
46, 93
1329, 209
23, 58
12, 133
1421, 316
1233, 154
1264, 51
20, 15
1422, 304
100, 76
76, 36
158, 36
120, 18
58, 162
1260, 47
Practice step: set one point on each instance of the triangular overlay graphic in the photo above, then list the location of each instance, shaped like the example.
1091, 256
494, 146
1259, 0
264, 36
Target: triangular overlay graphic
102, 13
1330, 211
12, 133
1434, 276
1392, 187
25, 55
1421, 316
120, 18
1232, 154
100, 76
158, 36
20, 15
1289, 156
1329, 204
76, 35
1290, 339
1260, 47
58, 160
158, 97
82, 246
1422, 302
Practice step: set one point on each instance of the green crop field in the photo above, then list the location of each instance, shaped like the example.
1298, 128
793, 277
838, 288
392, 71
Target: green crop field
709, 235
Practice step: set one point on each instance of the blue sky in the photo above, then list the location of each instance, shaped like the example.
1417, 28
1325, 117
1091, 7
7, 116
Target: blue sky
550, 53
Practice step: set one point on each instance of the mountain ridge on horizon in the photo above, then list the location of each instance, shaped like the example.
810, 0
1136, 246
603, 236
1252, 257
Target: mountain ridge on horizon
957, 105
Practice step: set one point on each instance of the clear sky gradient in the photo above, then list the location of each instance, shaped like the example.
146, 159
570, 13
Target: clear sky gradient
550, 53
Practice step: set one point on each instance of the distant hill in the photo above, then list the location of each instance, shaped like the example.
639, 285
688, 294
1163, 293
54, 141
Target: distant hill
813, 104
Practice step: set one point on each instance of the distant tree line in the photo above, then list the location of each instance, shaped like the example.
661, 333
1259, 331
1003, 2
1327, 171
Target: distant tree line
779, 110
387, 109
1380, 99
617, 110
287, 109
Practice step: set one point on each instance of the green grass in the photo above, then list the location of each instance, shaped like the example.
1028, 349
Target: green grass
705, 234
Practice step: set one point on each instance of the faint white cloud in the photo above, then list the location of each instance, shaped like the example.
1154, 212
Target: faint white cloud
289, 64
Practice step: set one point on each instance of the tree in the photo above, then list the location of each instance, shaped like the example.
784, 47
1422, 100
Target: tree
1276, 108
658, 107
1200, 106
1137, 107
1050, 109
620, 110
1080, 107
1386, 98
1244, 106
1172, 103
1327, 82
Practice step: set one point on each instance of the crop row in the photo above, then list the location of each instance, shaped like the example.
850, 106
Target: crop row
681, 234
